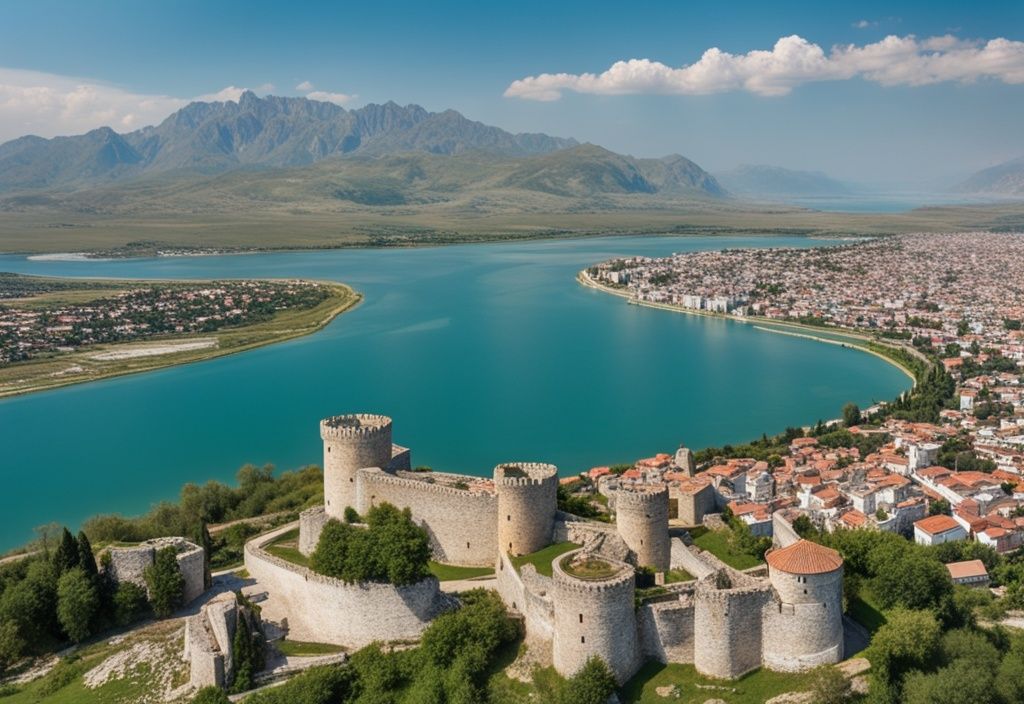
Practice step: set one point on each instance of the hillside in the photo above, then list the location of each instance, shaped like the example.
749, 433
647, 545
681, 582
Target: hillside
1006, 179
217, 137
761, 180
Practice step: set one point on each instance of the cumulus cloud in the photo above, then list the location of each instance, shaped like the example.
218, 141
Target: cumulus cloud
305, 85
793, 61
45, 104
337, 98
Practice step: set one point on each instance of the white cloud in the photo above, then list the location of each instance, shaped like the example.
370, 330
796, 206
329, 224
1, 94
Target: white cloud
45, 104
793, 61
864, 24
305, 86
337, 98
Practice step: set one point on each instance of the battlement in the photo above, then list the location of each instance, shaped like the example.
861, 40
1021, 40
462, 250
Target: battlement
640, 497
428, 482
354, 426
524, 473
618, 575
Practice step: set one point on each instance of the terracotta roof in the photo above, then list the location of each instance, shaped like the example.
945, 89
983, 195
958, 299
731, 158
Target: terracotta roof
804, 557
968, 568
940, 523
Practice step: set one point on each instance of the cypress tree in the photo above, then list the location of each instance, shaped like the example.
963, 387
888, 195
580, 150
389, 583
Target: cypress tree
202, 538
242, 655
65, 557
86, 559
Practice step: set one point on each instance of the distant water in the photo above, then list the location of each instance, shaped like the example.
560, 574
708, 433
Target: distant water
481, 353
894, 202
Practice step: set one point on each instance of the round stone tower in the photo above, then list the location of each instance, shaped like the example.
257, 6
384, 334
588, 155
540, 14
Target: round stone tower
351, 442
804, 624
594, 614
641, 517
527, 501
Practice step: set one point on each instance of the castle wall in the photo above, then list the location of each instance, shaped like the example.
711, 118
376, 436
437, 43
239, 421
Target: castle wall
641, 518
462, 524
666, 630
527, 501
595, 536
804, 624
351, 442
326, 610
529, 594
687, 558
209, 639
727, 624
783, 534
128, 564
311, 524
595, 618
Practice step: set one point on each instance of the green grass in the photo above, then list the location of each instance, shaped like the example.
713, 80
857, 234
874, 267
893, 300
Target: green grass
673, 576
754, 688
286, 546
864, 610
447, 573
542, 559
716, 542
298, 648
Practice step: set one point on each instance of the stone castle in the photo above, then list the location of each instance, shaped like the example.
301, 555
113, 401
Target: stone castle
786, 615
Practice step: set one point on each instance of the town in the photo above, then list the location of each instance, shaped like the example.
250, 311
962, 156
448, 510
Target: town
133, 312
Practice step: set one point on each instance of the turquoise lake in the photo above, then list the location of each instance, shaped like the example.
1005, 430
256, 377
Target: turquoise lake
481, 353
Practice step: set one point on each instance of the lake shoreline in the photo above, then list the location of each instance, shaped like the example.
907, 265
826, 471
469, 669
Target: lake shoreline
853, 339
344, 299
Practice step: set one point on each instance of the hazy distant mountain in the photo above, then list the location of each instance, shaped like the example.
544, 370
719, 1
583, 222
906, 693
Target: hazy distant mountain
761, 180
1006, 179
262, 132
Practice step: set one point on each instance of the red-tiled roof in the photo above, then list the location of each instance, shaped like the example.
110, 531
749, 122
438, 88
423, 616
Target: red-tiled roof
967, 568
933, 525
804, 557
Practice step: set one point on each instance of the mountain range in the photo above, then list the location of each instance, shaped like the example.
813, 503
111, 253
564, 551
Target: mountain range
297, 150
1006, 179
758, 180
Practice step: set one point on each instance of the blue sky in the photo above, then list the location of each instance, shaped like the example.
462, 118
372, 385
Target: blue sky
466, 55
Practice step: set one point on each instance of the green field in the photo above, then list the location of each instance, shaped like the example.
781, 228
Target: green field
63, 368
447, 573
286, 546
754, 688
716, 542
298, 648
542, 559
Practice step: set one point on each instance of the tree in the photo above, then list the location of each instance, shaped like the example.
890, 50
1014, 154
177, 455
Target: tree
913, 580
86, 558
593, 684
12, 645
165, 582
803, 526
351, 515
851, 415
908, 641
129, 603
830, 686
1010, 677
960, 683
203, 539
65, 557
77, 603
242, 656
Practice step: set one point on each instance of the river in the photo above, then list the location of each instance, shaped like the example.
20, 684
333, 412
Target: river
481, 354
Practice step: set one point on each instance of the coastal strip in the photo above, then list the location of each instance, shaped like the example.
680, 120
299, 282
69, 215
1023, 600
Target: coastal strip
103, 361
847, 339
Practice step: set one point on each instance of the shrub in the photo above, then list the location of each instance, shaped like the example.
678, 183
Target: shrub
351, 515
166, 583
593, 684
211, 695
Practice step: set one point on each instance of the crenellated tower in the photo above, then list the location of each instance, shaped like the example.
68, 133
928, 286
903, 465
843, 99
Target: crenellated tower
351, 442
641, 517
527, 501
